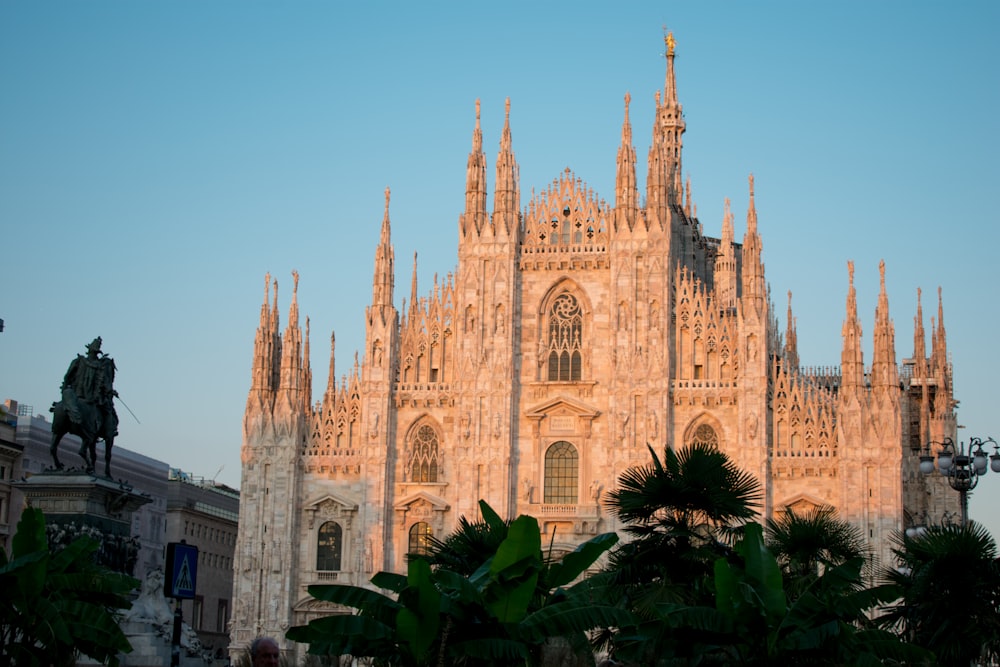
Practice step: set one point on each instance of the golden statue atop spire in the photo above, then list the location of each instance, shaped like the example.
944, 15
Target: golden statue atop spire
668, 40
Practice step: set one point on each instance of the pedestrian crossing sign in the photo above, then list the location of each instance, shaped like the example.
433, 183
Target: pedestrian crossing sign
182, 571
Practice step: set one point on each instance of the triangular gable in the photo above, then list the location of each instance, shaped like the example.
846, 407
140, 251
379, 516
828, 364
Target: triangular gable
802, 499
348, 505
565, 404
330, 506
309, 604
437, 504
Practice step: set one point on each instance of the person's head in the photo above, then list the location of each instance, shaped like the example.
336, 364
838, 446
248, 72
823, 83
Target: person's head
264, 652
94, 347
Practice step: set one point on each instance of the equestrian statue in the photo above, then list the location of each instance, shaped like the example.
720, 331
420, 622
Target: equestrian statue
87, 407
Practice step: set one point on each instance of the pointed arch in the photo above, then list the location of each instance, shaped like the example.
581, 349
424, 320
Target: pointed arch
423, 451
564, 317
704, 429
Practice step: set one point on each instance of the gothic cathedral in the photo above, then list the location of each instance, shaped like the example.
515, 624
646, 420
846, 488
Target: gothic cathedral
572, 333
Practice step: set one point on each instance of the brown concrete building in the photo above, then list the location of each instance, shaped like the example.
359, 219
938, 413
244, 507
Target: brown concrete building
10, 457
203, 513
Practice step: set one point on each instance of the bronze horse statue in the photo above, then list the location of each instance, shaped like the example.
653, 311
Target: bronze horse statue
95, 424
87, 407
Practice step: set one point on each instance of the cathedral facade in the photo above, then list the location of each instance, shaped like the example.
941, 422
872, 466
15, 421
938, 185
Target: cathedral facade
572, 333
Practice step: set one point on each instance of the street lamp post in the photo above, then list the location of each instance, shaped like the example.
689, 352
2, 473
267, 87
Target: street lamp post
963, 467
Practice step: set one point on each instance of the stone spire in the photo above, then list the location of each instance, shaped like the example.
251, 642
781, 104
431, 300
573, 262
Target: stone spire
939, 346
754, 288
690, 210
851, 357
626, 192
289, 402
474, 217
329, 397
919, 340
266, 354
506, 198
264, 346
791, 338
940, 370
306, 373
382, 282
382, 319
292, 343
413, 289
920, 372
884, 371
657, 184
671, 127
725, 263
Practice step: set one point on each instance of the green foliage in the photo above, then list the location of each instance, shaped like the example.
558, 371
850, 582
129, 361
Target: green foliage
949, 583
419, 619
806, 545
56, 605
465, 549
680, 513
708, 590
503, 612
754, 622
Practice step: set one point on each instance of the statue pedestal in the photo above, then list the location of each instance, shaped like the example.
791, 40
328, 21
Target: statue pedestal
81, 503
77, 493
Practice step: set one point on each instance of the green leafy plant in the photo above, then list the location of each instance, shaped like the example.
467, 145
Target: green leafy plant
756, 623
58, 604
504, 613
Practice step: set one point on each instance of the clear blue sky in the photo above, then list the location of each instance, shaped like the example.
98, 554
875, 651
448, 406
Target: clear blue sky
157, 158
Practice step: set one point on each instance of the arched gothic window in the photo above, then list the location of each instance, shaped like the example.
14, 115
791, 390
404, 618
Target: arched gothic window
705, 435
423, 462
329, 546
420, 534
562, 464
565, 327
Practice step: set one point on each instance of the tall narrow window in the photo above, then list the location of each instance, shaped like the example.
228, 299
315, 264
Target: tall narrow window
424, 455
222, 618
329, 546
565, 326
562, 465
198, 606
420, 534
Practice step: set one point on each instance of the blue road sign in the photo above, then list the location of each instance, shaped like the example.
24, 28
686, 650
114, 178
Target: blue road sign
182, 571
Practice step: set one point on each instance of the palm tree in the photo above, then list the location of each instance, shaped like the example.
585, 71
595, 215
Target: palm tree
949, 583
807, 545
699, 486
680, 512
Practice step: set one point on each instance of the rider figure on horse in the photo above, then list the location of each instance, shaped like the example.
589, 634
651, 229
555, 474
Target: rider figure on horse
90, 379
87, 407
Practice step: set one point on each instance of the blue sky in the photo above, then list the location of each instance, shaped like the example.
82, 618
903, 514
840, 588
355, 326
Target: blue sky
156, 159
